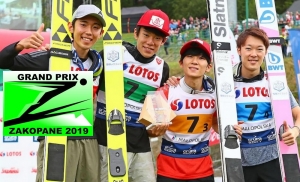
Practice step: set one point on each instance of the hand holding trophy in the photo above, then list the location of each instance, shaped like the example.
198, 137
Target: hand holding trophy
156, 113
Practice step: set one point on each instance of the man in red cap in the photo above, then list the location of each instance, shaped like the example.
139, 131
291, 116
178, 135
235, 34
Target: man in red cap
185, 145
143, 71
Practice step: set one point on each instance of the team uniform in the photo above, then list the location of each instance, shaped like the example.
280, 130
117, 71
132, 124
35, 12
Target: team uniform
185, 145
83, 150
258, 145
140, 76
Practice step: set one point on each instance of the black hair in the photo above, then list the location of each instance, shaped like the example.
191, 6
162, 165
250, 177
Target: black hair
73, 25
150, 29
195, 51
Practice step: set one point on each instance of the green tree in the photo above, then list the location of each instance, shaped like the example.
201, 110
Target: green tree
165, 6
281, 7
176, 9
241, 9
188, 8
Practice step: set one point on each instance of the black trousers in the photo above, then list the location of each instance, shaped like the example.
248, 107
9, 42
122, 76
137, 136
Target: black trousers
267, 172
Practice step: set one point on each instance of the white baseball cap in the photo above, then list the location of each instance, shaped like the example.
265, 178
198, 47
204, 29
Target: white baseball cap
89, 9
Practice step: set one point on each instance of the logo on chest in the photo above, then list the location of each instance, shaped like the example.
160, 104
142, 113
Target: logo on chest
143, 72
252, 92
177, 104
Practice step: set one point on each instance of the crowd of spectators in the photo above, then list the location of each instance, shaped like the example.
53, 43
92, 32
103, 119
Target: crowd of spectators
178, 29
185, 29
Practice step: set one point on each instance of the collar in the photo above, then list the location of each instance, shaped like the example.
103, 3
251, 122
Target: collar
237, 74
136, 54
76, 55
207, 83
94, 56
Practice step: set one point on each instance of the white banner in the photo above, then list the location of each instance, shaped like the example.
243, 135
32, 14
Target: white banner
17, 156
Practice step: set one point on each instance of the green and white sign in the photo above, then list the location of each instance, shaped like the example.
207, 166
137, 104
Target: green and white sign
44, 103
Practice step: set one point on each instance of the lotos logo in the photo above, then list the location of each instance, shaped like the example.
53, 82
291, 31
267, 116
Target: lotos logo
32, 153
255, 92
214, 138
10, 171
2, 154
267, 16
237, 92
199, 103
125, 66
176, 105
174, 137
34, 170
158, 60
11, 154
143, 72
10, 139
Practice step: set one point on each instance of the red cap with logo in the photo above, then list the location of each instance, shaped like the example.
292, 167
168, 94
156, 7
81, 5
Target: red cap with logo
198, 44
155, 18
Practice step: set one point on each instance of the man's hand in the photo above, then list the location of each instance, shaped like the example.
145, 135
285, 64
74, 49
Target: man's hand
34, 41
158, 130
238, 129
173, 81
45, 48
289, 135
